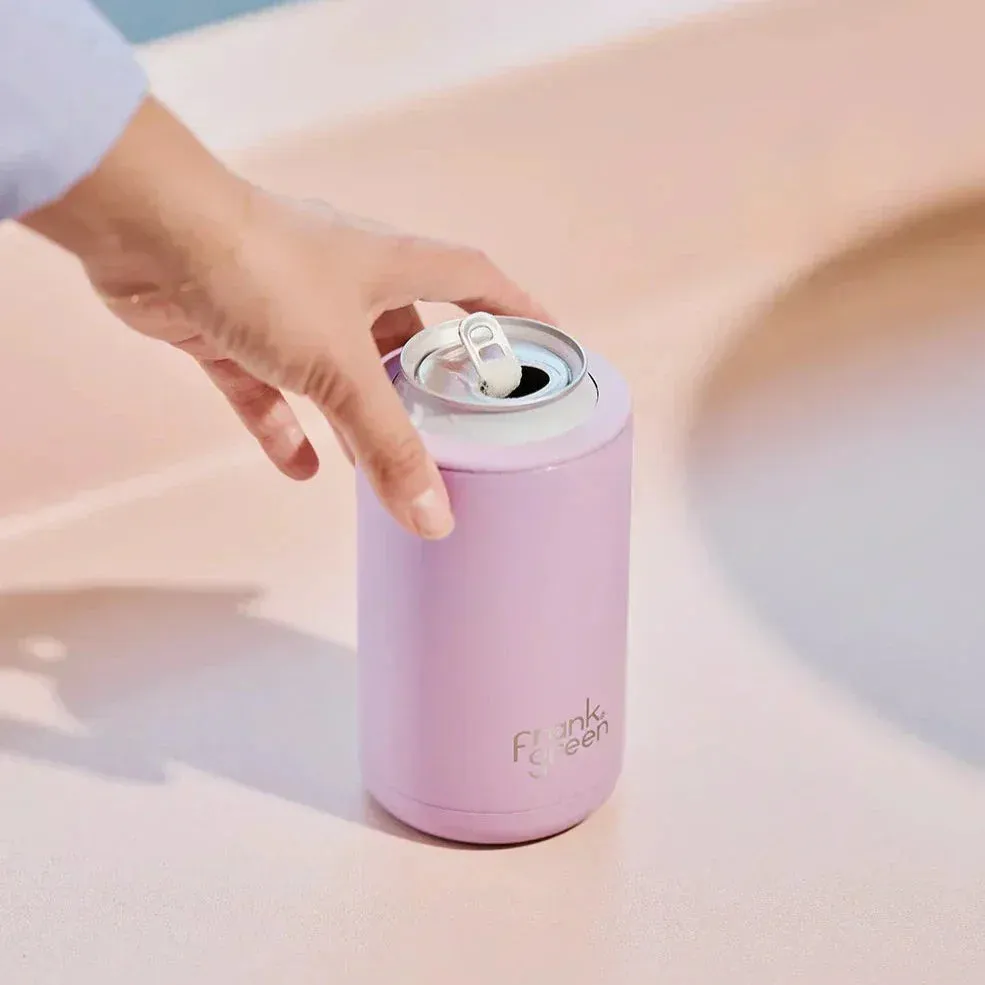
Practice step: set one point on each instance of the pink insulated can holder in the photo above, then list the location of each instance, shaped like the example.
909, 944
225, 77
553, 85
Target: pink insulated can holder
492, 664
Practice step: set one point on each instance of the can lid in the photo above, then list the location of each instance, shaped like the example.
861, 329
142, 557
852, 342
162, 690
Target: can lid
438, 361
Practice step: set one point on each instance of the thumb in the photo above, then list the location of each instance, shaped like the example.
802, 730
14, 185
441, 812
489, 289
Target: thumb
365, 409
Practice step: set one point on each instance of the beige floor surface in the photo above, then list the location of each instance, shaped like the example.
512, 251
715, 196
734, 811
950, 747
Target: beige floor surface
769, 219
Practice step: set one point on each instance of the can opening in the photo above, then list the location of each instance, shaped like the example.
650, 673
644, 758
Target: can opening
541, 364
532, 380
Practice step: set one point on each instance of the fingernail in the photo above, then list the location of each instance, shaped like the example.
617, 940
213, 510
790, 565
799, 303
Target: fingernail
431, 515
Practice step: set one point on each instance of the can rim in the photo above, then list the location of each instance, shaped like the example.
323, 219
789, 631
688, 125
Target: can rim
435, 337
613, 414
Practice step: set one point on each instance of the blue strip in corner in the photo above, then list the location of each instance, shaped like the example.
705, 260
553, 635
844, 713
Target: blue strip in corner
147, 20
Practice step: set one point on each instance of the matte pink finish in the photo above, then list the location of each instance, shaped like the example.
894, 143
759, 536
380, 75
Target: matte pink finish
492, 664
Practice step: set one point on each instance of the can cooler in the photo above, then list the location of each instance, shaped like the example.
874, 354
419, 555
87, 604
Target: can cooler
492, 664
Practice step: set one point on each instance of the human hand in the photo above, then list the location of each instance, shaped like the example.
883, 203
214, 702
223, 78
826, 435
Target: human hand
269, 295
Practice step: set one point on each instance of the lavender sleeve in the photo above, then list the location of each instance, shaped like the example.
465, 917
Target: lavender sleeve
69, 84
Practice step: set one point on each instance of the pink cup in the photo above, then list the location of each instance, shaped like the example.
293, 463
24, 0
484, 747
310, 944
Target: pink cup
492, 664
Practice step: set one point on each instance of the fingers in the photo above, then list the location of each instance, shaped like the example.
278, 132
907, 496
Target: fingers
343, 444
369, 412
362, 405
267, 416
432, 271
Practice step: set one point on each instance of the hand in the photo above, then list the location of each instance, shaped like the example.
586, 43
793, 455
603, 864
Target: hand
268, 295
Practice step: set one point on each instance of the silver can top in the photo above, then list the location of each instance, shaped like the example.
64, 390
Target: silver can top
484, 363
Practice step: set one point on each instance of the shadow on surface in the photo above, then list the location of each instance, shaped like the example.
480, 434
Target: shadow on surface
837, 469
159, 676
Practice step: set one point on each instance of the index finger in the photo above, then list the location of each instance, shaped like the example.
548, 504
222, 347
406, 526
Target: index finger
364, 408
434, 271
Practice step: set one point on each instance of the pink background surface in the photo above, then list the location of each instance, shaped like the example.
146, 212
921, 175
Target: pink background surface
803, 797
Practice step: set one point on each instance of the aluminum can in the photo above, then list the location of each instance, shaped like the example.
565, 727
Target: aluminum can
492, 664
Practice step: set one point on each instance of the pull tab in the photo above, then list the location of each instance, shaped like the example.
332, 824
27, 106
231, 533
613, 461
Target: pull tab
499, 373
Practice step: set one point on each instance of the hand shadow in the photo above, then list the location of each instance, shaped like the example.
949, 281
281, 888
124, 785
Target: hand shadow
158, 676
837, 469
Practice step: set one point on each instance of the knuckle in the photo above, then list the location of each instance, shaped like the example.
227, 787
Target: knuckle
253, 398
327, 387
394, 265
396, 463
401, 250
476, 257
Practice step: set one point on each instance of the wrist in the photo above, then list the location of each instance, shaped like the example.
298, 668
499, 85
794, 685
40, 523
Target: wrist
157, 207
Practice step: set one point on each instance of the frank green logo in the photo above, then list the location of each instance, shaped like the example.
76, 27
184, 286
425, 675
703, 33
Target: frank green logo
539, 749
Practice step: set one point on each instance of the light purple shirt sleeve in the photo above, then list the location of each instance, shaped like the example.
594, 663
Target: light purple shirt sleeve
69, 84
